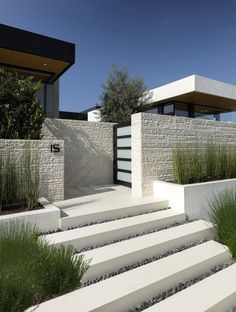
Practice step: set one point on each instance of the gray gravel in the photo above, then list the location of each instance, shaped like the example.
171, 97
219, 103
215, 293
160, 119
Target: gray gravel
180, 286
140, 263
131, 236
232, 310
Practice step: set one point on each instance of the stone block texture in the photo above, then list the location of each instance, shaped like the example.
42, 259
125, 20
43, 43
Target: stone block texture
51, 165
88, 151
154, 136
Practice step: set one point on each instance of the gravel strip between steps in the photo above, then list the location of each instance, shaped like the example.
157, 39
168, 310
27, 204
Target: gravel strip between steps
132, 236
180, 286
143, 262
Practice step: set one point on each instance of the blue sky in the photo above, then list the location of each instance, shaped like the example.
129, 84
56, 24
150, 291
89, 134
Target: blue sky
161, 40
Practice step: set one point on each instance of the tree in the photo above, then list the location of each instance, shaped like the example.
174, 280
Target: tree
21, 114
122, 96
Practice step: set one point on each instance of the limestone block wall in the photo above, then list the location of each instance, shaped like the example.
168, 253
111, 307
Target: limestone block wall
88, 151
51, 165
154, 136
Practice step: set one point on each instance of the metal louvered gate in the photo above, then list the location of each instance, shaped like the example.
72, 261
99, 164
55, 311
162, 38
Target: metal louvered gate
122, 154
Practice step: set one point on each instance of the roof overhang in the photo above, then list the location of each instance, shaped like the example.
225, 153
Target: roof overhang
196, 90
40, 56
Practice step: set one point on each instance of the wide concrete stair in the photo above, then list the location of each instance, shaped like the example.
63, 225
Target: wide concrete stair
80, 217
114, 257
138, 257
106, 232
216, 293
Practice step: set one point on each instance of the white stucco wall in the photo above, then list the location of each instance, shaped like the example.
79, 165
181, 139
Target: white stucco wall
192, 199
154, 136
51, 166
88, 151
94, 115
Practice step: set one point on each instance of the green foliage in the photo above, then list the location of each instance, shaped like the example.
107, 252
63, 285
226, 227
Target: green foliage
28, 186
31, 271
19, 181
196, 164
122, 96
21, 114
223, 216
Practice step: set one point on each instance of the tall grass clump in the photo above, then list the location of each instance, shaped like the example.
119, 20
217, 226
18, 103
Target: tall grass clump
29, 179
31, 271
8, 179
196, 163
223, 216
19, 180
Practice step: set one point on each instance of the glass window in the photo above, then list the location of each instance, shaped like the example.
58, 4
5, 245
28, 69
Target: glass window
168, 109
209, 113
124, 131
123, 142
181, 109
123, 176
125, 165
124, 153
152, 111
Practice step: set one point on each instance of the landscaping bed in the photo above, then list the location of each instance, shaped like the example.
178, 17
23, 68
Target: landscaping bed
200, 172
46, 218
31, 271
193, 199
15, 208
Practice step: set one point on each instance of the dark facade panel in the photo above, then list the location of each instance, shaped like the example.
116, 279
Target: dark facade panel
72, 115
20, 40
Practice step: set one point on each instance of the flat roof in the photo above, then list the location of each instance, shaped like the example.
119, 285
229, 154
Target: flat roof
30, 52
196, 89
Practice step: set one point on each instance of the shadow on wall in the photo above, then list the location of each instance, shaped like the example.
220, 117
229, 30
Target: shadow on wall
88, 151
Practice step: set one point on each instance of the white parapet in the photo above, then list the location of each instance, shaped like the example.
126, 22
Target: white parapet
192, 199
94, 115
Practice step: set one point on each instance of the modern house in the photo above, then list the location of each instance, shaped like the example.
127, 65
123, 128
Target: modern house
90, 114
46, 59
195, 97
42, 57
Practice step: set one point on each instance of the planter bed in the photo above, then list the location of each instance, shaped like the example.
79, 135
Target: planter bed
193, 199
45, 218
14, 208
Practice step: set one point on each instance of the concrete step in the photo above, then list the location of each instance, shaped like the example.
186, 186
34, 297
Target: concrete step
109, 231
110, 258
124, 291
83, 217
216, 293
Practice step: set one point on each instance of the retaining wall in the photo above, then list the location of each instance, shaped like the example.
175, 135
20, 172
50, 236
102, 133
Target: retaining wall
154, 136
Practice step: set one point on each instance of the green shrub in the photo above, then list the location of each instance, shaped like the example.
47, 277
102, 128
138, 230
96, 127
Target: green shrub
19, 181
31, 271
223, 216
21, 114
196, 164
